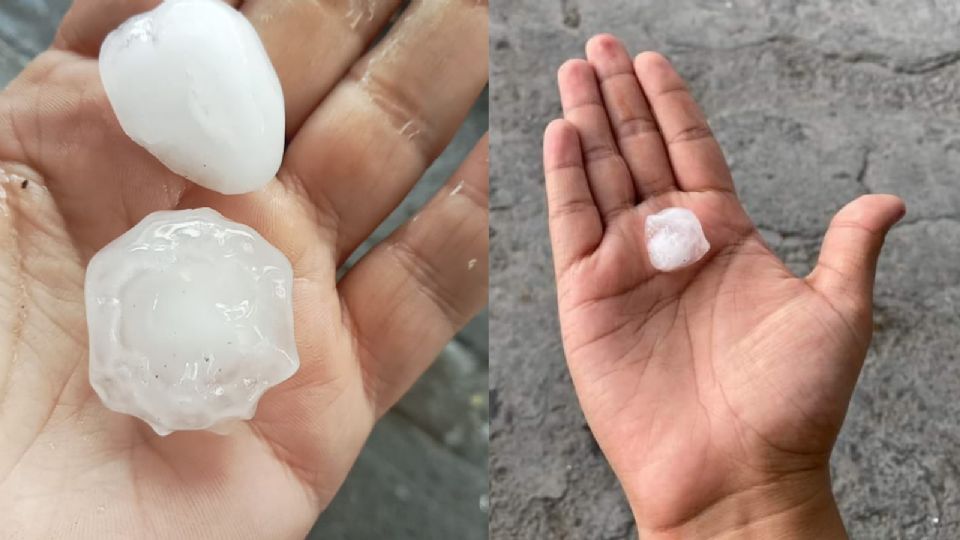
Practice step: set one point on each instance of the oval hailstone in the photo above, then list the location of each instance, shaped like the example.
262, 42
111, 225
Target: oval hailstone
190, 320
674, 239
191, 82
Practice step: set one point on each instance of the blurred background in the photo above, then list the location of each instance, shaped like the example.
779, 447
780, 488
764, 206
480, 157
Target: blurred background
423, 473
814, 102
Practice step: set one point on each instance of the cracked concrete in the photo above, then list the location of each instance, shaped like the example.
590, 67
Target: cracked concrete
815, 102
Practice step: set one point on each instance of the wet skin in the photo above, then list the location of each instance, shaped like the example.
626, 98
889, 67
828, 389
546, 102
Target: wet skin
361, 129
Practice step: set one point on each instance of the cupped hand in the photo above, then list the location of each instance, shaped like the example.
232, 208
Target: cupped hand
364, 121
716, 391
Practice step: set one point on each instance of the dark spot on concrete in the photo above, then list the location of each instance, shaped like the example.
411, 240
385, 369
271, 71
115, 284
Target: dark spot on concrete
571, 15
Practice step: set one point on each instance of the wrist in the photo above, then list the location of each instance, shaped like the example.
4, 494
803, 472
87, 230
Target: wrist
798, 507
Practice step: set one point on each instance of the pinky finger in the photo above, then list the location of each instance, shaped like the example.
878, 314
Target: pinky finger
409, 296
575, 225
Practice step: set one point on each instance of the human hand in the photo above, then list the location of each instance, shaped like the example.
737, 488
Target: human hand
716, 391
362, 127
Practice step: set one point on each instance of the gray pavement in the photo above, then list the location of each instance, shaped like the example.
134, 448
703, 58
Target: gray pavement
422, 474
814, 102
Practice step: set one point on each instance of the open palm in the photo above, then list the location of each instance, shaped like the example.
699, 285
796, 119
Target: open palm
362, 127
711, 385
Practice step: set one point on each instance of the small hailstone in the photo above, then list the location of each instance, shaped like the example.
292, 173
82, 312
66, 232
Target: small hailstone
190, 320
191, 82
674, 239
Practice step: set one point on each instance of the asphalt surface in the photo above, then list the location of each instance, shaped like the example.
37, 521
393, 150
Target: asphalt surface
814, 102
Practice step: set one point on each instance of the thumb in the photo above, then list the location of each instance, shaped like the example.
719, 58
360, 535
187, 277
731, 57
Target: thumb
851, 247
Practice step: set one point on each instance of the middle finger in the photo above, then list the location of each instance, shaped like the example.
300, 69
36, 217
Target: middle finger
311, 44
638, 135
370, 141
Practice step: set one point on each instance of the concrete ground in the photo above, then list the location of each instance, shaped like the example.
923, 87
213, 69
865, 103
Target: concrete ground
422, 475
814, 102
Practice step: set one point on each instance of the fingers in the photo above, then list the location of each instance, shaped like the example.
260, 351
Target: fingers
88, 22
295, 417
575, 226
609, 178
312, 44
696, 157
851, 247
369, 142
634, 126
412, 293
284, 218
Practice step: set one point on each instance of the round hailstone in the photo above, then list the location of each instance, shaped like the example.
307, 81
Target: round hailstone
190, 319
674, 239
191, 82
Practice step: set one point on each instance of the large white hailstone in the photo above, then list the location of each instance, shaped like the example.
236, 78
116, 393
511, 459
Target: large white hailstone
191, 82
674, 239
190, 320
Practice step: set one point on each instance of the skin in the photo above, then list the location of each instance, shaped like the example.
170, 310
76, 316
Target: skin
716, 391
72, 181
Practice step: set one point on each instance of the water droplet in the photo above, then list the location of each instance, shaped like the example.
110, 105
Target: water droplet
410, 130
360, 10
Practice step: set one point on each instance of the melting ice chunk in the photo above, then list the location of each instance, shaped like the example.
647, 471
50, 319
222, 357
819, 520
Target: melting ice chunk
190, 320
674, 239
191, 82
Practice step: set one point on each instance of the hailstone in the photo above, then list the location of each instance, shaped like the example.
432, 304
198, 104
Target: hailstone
190, 320
675, 239
190, 81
